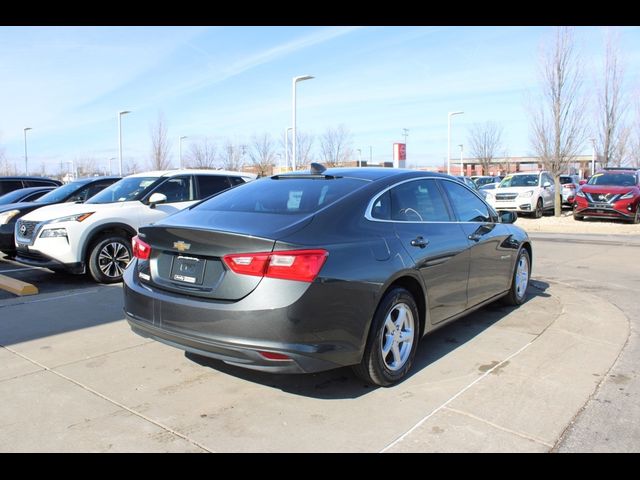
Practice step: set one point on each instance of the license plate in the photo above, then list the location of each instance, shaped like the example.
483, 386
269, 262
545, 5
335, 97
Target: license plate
601, 205
23, 246
188, 270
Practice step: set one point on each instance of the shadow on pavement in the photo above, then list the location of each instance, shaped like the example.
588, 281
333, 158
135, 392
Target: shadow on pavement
343, 383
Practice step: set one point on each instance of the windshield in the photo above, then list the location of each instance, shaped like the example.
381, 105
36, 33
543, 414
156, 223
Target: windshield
13, 197
481, 181
125, 190
614, 179
519, 181
283, 196
60, 194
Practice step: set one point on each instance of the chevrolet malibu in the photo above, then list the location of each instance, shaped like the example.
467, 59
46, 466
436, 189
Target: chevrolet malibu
317, 270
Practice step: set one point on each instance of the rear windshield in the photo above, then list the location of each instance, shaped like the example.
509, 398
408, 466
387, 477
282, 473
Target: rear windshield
283, 196
615, 179
565, 180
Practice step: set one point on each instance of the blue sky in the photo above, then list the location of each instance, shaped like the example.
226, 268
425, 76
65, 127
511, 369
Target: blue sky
68, 83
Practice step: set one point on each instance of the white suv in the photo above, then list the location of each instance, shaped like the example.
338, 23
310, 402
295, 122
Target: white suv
524, 192
96, 235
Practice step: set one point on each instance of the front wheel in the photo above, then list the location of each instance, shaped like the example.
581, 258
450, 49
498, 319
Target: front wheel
520, 281
538, 211
108, 258
392, 341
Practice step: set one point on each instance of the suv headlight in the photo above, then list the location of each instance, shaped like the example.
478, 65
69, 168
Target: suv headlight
626, 196
54, 233
5, 217
526, 194
488, 196
71, 218
580, 194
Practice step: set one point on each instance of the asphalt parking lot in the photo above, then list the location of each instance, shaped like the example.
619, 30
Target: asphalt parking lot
74, 377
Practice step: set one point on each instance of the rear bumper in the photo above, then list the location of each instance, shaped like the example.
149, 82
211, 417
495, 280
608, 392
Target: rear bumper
295, 322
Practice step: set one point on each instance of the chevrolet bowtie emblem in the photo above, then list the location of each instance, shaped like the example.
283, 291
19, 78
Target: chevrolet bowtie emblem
181, 246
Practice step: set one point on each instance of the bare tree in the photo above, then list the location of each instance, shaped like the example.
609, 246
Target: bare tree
160, 145
634, 139
202, 154
130, 166
263, 153
86, 166
5, 168
484, 141
231, 156
335, 146
612, 105
304, 143
557, 127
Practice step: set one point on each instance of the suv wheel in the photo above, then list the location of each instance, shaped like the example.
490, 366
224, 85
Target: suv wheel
108, 257
538, 211
393, 340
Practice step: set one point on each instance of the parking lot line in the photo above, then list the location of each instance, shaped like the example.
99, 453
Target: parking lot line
17, 287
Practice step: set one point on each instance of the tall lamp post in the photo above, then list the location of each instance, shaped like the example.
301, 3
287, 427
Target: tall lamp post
461, 163
123, 112
451, 114
180, 149
293, 83
359, 158
26, 164
593, 155
286, 147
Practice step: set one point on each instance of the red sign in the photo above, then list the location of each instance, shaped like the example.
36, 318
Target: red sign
399, 151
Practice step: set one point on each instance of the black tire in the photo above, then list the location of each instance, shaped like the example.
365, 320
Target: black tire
538, 211
107, 258
377, 368
636, 217
518, 292
577, 217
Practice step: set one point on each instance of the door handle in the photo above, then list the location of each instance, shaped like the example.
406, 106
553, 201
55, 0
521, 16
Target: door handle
419, 242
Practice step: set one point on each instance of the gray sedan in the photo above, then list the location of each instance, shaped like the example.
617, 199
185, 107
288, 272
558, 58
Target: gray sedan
316, 270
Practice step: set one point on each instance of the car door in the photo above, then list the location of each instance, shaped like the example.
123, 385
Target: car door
492, 254
548, 193
437, 245
180, 192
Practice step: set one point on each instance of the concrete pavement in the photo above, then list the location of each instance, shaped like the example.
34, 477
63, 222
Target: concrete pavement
74, 378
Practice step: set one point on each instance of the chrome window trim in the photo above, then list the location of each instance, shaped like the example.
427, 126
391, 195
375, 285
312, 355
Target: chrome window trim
369, 209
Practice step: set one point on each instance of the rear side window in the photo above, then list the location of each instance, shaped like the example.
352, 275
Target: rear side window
236, 180
210, 184
40, 183
177, 189
283, 196
418, 201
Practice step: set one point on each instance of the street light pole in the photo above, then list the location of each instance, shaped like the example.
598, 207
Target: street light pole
26, 164
593, 155
293, 83
123, 112
286, 148
461, 163
180, 150
451, 114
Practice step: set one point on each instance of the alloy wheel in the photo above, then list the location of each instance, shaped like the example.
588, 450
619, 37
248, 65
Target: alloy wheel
398, 337
113, 259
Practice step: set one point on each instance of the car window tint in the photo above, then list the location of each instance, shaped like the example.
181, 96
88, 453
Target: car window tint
9, 186
33, 196
210, 184
177, 189
468, 207
418, 201
236, 180
287, 196
40, 183
382, 207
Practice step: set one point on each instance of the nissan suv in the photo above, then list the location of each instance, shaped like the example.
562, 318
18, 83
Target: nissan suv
531, 193
96, 236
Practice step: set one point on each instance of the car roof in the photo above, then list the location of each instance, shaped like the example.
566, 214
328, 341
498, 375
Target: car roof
191, 171
82, 181
28, 178
368, 173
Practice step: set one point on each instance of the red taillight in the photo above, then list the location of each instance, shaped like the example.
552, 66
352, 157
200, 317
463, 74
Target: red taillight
274, 356
141, 249
302, 265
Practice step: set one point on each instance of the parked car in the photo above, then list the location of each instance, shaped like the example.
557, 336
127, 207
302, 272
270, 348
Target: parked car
570, 185
483, 180
9, 184
489, 186
610, 194
471, 184
530, 193
96, 236
28, 194
310, 271
74, 192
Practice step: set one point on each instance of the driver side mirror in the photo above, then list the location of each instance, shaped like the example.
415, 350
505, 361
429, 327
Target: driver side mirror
507, 216
546, 184
157, 198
